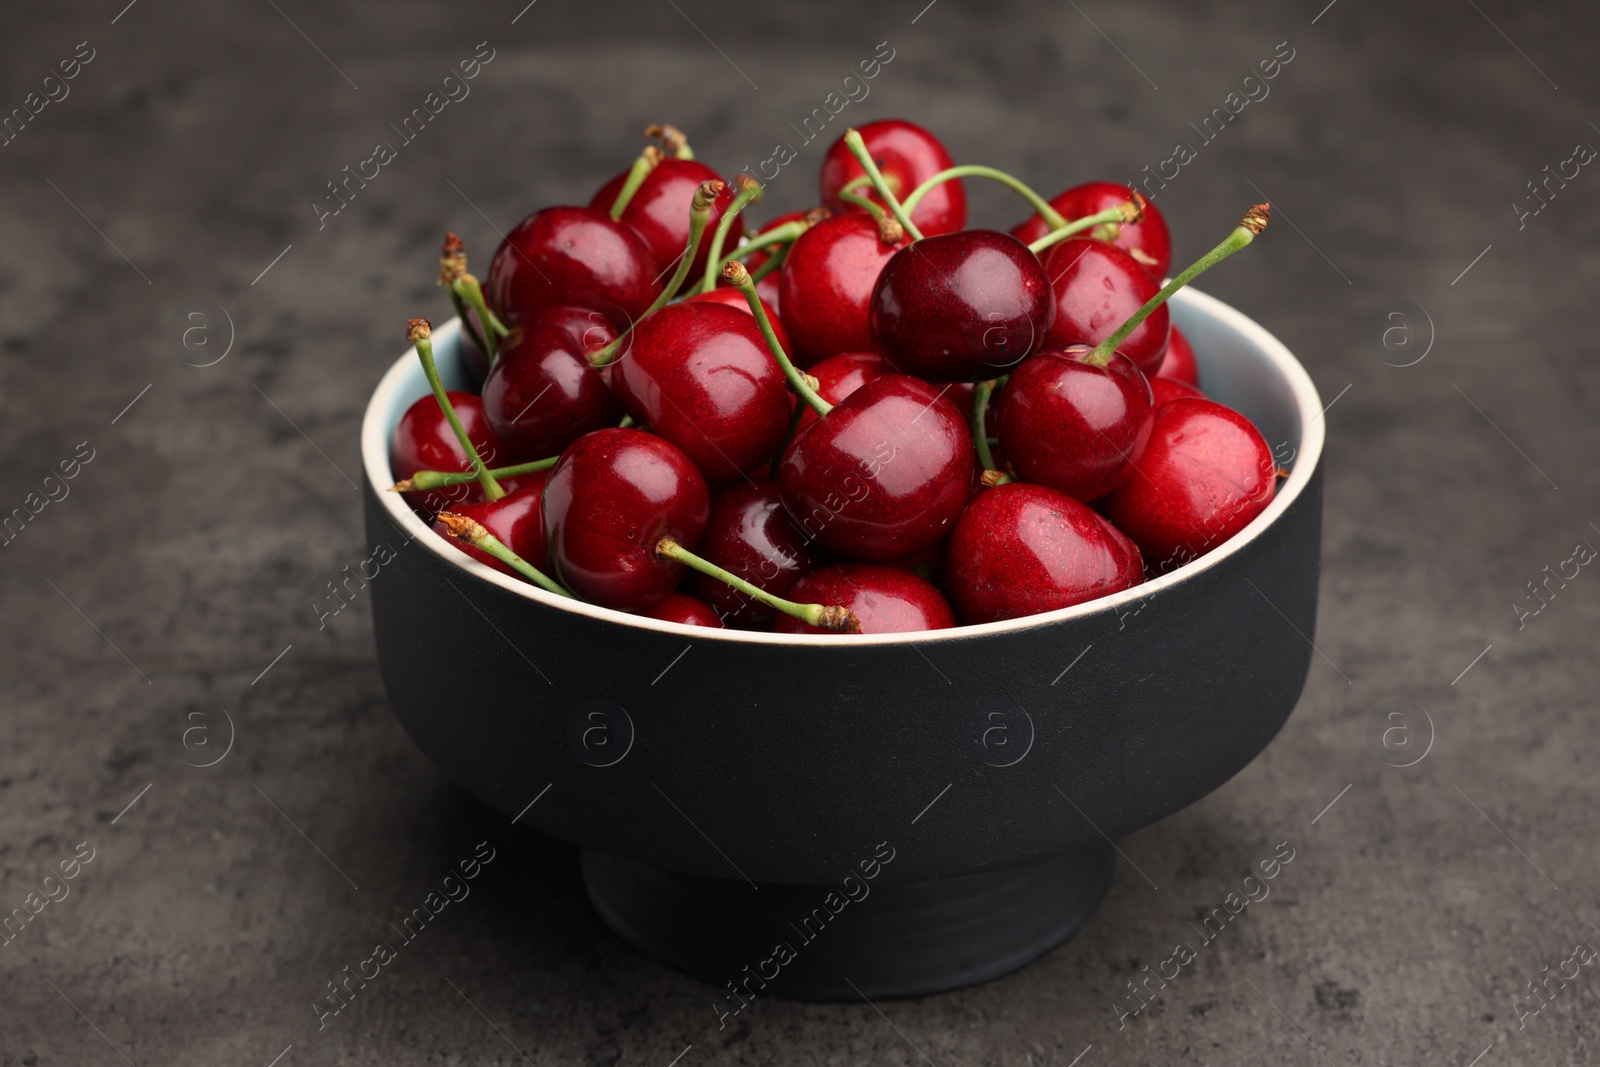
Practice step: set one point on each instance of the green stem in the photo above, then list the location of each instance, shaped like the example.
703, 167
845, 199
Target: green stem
836, 619
749, 193
740, 278
1077, 226
672, 140
636, 175
424, 480
1254, 221
869, 206
466, 323
420, 334
981, 392
699, 213
466, 530
1051, 216
858, 148
470, 292
774, 262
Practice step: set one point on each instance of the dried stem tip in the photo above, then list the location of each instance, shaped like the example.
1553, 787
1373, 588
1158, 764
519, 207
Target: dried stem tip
462, 528
816, 215
418, 330
736, 274
839, 620
672, 139
746, 183
452, 259
990, 479
707, 194
1255, 220
1133, 210
890, 232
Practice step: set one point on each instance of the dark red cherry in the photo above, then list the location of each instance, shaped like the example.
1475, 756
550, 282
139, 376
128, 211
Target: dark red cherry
1204, 473
1146, 240
828, 278
1071, 425
882, 475
750, 534
687, 610
700, 375
1023, 549
839, 376
1180, 363
962, 306
613, 495
590, 329
659, 210
514, 520
907, 155
573, 255
1097, 288
886, 600
424, 441
735, 299
542, 394
1165, 389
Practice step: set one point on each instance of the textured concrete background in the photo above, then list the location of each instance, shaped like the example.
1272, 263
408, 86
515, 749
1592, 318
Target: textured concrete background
193, 545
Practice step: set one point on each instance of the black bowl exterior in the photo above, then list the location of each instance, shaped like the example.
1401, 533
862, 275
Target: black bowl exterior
788, 762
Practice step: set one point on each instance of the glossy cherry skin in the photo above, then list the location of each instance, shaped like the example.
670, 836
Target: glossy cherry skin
1180, 363
735, 299
962, 306
839, 376
613, 495
1204, 473
590, 329
659, 210
826, 291
687, 610
907, 155
542, 394
750, 534
424, 441
572, 256
884, 599
1023, 549
514, 519
1146, 240
883, 475
1097, 287
1071, 425
1165, 389
700, 375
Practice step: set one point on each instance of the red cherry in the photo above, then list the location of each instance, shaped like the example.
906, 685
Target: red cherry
826, 291
1097, 288
700, 375
687, 610
590, 329
514, 520
750, 534
907, 155
1023, 549
962, 306
1072, 425
883, 474
573, 255
659, 210
839, 376
1204, 473
886, 600
1180, 363
735, 299
614, 494
1146, 240
542, 394
1165, 389
424, 441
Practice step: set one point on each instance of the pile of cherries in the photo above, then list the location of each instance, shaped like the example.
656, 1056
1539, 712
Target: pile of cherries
859, 418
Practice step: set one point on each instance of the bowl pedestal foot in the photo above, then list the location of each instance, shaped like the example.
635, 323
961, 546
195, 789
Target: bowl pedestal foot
809, 942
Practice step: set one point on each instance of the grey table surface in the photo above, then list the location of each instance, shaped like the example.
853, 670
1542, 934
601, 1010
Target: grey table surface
177, 173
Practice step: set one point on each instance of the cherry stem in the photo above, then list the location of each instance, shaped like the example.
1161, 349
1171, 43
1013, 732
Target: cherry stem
1254, 221
699, 213
647, 161
469, 532
419, 332
871, 208
672, 140
774, 262
749, 193
425, 480
981, 392
467, 326
837, 619
1132, 211
858, 148
992, 478
740, 279
1051, 216
452, 268
470, 292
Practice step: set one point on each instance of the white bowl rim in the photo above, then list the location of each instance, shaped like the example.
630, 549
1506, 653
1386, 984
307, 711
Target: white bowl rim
375, 459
